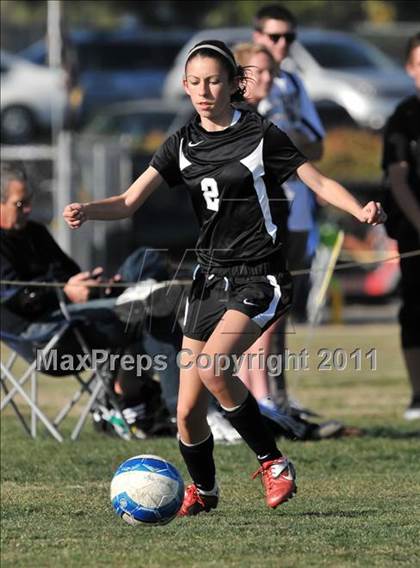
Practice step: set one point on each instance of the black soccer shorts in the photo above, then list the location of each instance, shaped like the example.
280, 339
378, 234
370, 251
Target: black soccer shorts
263, 298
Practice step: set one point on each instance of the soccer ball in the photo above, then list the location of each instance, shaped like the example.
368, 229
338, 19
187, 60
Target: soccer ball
147, 490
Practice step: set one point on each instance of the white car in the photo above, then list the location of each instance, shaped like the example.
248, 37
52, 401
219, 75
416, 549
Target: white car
32, 96
341, 72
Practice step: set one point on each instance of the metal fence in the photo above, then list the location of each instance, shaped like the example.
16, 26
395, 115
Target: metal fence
77, 168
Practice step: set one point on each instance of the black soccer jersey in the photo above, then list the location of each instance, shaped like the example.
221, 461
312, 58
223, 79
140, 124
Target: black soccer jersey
234, 177
402, 144
402, 140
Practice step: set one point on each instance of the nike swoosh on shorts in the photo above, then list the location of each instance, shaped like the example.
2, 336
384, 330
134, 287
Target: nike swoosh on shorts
248, 303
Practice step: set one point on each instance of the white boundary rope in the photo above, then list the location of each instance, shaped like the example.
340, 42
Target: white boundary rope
330, 268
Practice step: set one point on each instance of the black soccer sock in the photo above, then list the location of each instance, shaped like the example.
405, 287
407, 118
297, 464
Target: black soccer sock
200, 463
249, 422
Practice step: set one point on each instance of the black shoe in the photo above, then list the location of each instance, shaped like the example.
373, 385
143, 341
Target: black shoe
326, 430
413, 411
196, 502
294, 408
150, 298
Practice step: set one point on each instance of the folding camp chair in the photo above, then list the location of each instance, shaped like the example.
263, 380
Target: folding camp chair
99, 380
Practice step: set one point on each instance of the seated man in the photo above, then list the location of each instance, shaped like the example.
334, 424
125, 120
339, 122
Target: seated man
29, 253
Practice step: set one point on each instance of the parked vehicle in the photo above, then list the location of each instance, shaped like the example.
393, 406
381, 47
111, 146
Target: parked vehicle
167, 218
32, 96
119, 65
341, 72
144, 124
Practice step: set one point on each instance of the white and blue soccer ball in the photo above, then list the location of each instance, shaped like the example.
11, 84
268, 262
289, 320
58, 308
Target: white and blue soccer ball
147, 490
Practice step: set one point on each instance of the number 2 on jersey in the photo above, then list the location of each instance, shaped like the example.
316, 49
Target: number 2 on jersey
211, 193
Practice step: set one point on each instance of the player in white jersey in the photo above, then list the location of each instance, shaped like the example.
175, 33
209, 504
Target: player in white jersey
241, 285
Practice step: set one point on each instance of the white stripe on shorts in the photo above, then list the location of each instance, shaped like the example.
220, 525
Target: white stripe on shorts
263, 318
187, 304
186, 312
195, 271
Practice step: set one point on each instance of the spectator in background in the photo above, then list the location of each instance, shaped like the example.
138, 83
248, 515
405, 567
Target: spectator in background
260, 70
289, 107
29, 253
401, 164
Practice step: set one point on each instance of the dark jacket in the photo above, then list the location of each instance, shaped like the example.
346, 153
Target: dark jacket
30, 254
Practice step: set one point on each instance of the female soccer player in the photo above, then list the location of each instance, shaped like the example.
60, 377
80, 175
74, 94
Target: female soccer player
233, 163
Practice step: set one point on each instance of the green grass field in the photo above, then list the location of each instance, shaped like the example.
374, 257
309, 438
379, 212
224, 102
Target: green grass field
358, 502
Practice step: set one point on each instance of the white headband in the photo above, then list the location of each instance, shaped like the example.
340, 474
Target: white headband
215, 48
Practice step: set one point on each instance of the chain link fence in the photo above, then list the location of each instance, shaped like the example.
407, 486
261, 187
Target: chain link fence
78, 168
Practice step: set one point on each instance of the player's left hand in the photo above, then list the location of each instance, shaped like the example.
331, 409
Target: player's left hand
373, 214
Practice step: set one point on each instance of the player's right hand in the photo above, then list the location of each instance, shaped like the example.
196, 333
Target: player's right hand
75, 215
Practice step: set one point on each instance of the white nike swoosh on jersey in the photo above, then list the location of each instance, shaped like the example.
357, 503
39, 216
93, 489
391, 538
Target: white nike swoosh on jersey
195, 143
248, 303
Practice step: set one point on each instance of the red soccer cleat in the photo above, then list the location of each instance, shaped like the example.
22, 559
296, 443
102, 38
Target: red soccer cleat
195, 502
278, 478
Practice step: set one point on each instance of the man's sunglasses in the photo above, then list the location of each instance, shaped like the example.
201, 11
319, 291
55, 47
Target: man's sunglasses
288, 36
23, 204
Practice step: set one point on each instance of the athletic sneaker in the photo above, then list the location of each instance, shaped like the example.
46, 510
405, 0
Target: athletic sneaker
413, 411
110, 421
159, 299
222, 430
327, 430
196, 501
291, 406
278, 477
294, 407
291, 427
